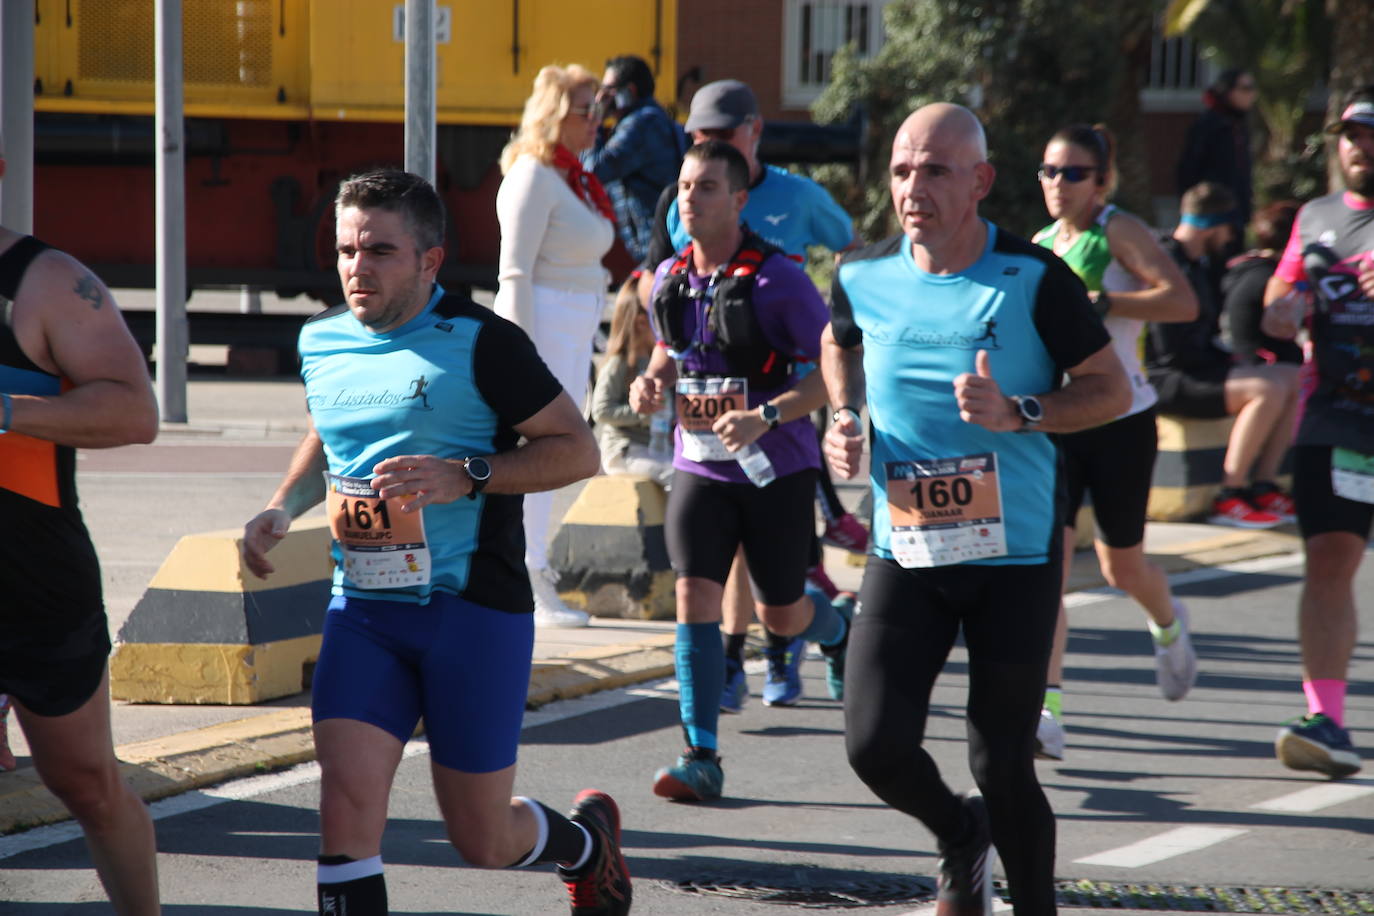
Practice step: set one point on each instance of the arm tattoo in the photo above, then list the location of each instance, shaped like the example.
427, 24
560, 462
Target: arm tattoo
88, 288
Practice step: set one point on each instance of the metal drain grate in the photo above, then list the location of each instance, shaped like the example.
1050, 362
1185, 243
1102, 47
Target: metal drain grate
1215, 899
811, 888
814, 888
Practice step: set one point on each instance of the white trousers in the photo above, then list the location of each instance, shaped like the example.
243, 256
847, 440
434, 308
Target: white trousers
564, 325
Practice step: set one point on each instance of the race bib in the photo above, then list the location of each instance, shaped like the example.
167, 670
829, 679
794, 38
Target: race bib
383, 547
945, 510
700, 402
1352, 475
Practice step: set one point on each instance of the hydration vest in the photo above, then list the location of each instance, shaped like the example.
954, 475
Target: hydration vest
730, 316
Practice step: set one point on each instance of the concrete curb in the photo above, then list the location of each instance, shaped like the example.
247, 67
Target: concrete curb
162, 767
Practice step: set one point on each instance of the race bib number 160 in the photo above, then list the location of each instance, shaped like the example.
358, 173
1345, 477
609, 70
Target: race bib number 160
945, 510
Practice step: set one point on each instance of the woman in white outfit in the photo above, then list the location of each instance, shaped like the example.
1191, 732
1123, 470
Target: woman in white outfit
556, 225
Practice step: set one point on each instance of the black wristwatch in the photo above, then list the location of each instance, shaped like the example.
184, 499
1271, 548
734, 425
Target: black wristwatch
479, 472
770, 414
1031, 412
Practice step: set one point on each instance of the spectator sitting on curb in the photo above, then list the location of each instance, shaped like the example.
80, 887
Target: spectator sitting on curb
1197, 379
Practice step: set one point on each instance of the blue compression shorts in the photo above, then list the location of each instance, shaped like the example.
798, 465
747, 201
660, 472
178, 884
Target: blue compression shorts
464, 668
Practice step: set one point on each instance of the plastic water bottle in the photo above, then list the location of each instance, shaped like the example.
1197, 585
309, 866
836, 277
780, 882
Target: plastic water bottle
661, 430
756, 465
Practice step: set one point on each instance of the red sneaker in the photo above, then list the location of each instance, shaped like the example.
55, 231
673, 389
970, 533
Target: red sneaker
1237, 512
847, 533
1269, 498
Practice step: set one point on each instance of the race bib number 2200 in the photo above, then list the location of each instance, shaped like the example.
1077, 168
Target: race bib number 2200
945, 510
383, 547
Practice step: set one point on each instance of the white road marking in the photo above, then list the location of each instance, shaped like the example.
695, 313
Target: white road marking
1177, 842
1202, 574
254, 786
1319, 797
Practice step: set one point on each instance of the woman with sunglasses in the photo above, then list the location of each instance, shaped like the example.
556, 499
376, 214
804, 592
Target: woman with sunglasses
556, 225
1132, 280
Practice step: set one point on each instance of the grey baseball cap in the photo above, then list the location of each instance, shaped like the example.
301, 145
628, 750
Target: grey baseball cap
1360, 111
722, 104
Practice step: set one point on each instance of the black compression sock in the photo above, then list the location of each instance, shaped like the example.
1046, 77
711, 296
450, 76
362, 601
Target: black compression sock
734, 646
560, 840
348, 887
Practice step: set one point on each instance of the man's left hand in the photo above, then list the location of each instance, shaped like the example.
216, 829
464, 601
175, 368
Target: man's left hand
428, 479
981, 400
738, 428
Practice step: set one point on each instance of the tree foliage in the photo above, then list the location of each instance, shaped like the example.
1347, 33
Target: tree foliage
1286, 44
1025, 67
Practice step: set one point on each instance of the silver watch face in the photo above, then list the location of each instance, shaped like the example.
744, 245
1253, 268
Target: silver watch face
770, 413
477, 468
1030, 409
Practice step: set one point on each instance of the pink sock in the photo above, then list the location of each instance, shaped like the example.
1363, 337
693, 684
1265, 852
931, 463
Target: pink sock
1326, 696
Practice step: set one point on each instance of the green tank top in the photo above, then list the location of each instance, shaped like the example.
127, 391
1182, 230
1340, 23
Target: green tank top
1090, 255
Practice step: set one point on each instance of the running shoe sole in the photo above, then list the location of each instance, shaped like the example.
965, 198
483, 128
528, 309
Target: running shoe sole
667, 785
1299, 753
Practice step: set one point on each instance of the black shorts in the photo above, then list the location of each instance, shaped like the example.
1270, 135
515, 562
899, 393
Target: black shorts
54, 636
708, 519
1197, 393
1115, 463
1320, 510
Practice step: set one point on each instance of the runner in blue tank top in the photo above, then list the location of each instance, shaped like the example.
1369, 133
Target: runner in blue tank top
956, 335
417, 401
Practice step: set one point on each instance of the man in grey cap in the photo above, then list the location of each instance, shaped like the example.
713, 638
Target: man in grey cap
794, 213
790, 211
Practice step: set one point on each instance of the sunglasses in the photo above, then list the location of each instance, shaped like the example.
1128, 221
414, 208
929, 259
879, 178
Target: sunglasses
725, 134
1073, 174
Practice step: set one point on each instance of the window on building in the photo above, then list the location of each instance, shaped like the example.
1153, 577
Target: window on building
813, 30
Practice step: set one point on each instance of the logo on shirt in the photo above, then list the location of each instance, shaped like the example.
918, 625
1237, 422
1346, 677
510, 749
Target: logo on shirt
412, 397
775, 218
921, 338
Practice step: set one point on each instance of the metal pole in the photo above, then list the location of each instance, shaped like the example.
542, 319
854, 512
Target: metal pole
421, 64
16, 78
171, 215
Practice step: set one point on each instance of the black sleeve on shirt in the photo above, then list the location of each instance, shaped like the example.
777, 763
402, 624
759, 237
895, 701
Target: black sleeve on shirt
660, 243
842, 327
509, 373
1064, 316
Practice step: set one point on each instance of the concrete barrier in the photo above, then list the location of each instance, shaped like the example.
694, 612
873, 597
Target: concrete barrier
610, 554
1188, 469
208, 631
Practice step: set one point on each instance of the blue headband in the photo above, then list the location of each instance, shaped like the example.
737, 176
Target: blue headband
1207, 221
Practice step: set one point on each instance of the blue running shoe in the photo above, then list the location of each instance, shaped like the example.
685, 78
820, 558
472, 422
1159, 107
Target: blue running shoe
783, 686
696, 776
1316, 742
834, 655
736, 692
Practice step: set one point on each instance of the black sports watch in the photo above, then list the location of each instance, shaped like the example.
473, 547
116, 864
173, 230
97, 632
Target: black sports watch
1031, 412
479, 472
770, 414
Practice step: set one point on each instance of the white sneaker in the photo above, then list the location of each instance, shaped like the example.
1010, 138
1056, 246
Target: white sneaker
1176, 663
1049, 737
549, 610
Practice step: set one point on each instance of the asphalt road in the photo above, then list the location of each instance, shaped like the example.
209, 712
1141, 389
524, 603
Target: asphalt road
1184, 797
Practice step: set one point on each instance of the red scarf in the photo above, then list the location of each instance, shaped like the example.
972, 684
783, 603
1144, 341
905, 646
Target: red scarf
584, 184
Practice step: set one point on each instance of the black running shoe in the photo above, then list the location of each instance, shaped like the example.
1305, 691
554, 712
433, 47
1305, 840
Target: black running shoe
966, 867
601, 887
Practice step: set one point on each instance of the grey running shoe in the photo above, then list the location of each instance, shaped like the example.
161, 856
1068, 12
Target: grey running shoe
1176, 663
1049, 737
1316, 742
696, 776
966, 866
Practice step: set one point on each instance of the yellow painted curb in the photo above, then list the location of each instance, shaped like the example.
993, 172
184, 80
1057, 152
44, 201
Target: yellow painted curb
194, 673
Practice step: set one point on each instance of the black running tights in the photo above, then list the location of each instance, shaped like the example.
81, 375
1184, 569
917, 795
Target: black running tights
907, 623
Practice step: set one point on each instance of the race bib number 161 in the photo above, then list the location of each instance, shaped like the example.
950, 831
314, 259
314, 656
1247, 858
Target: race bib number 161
383, 546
